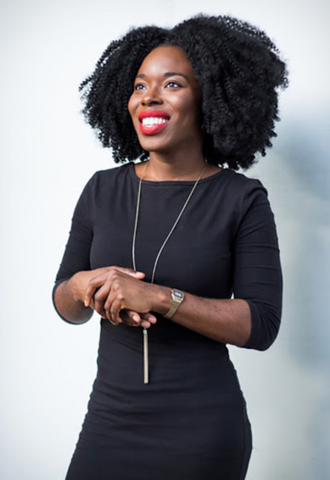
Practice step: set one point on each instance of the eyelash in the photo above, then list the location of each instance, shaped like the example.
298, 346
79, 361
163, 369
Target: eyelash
136, 87
173, 83
140, 86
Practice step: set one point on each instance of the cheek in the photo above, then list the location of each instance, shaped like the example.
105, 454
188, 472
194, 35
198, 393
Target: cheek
195, 108
132, 104
190, 109
131, 109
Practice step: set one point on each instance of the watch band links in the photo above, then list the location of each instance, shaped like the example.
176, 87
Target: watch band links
177, 299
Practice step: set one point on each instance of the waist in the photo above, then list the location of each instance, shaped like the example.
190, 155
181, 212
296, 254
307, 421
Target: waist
164, 336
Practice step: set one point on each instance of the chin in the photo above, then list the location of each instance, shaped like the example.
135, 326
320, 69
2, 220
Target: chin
153, 145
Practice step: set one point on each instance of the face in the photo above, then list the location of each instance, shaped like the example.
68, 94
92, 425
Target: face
165, 103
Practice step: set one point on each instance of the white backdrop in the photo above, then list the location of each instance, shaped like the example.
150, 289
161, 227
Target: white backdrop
47, 155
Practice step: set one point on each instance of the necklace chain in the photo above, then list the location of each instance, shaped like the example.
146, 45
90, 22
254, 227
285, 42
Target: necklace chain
173, 227
145, 332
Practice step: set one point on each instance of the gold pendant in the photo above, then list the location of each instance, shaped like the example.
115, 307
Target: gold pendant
145, 356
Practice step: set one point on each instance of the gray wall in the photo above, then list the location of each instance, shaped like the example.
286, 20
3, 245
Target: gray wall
48, 154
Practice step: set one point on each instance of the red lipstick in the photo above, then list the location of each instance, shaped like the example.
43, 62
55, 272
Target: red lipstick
158, 120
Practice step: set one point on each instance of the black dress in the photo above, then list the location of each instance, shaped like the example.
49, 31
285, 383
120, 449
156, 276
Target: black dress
190, 421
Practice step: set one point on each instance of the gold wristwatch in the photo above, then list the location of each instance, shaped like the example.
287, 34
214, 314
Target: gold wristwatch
177, 299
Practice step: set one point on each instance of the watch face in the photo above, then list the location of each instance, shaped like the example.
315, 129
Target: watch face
178, 294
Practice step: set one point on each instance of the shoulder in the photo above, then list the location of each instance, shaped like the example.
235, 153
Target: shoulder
103, 185
241, 186
240, 180
242, 194
110, 176
104, 181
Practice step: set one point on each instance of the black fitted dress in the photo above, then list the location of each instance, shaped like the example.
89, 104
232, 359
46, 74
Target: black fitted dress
190, 421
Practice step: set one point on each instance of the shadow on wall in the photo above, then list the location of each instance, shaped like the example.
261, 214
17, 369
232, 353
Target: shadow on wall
303, 206
306, 201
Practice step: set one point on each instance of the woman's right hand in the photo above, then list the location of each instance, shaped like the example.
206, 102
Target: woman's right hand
128, 317
69, 299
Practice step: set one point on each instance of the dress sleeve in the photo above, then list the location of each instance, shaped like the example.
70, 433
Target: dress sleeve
77, 251
257, 270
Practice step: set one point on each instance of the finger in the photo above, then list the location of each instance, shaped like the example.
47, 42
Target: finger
112, 319
108, 308
145, 324
113, 322
132, 317
131, 272
149, 317
98, 308
99, 280
100, 298
93, 285
100, 288
115, 309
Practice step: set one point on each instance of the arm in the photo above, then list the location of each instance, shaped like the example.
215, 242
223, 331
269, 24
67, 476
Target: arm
227, 321
252, 319
69, 297
75, 271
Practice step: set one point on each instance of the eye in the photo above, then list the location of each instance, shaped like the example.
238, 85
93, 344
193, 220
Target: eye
173, 84
139, 86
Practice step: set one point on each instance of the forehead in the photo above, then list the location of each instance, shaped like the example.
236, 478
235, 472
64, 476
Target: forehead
167, 58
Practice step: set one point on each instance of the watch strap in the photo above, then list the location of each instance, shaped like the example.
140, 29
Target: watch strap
177, 299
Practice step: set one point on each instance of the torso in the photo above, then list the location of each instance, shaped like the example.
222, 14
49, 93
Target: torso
193, 402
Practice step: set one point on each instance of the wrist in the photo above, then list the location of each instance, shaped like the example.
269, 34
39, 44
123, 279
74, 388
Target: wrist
177, 297
161, 299
78, 284
168, 301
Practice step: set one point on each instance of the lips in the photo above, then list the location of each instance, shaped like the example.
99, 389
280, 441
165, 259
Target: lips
153, 121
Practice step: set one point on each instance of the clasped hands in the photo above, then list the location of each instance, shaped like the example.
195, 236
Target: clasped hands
120, 296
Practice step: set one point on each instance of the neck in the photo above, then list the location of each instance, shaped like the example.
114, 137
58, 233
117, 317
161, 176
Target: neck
163, 168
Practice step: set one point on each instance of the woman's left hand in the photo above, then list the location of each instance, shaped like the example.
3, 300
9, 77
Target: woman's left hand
115, 291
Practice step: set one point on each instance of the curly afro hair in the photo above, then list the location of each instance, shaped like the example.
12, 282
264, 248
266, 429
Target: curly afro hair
237, 67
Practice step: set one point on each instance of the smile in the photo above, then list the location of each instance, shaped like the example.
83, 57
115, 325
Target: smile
153, 121
149, 121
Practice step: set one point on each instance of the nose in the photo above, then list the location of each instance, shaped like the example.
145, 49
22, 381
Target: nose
152, 96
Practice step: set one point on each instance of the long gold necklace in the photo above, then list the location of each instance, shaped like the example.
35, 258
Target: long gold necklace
145, 331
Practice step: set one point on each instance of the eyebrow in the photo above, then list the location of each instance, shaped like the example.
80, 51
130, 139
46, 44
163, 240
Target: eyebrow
166, 75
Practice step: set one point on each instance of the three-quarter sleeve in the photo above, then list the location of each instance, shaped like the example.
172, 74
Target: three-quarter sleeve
257, 269
76, 256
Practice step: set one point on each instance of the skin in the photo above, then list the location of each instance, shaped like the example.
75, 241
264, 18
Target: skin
121, 295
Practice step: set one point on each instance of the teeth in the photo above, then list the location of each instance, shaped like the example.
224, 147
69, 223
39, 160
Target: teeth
153, 121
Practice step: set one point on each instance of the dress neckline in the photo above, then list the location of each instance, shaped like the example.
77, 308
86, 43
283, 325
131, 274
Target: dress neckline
173, 182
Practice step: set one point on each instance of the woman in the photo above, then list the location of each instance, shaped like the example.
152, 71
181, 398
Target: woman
163, 244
